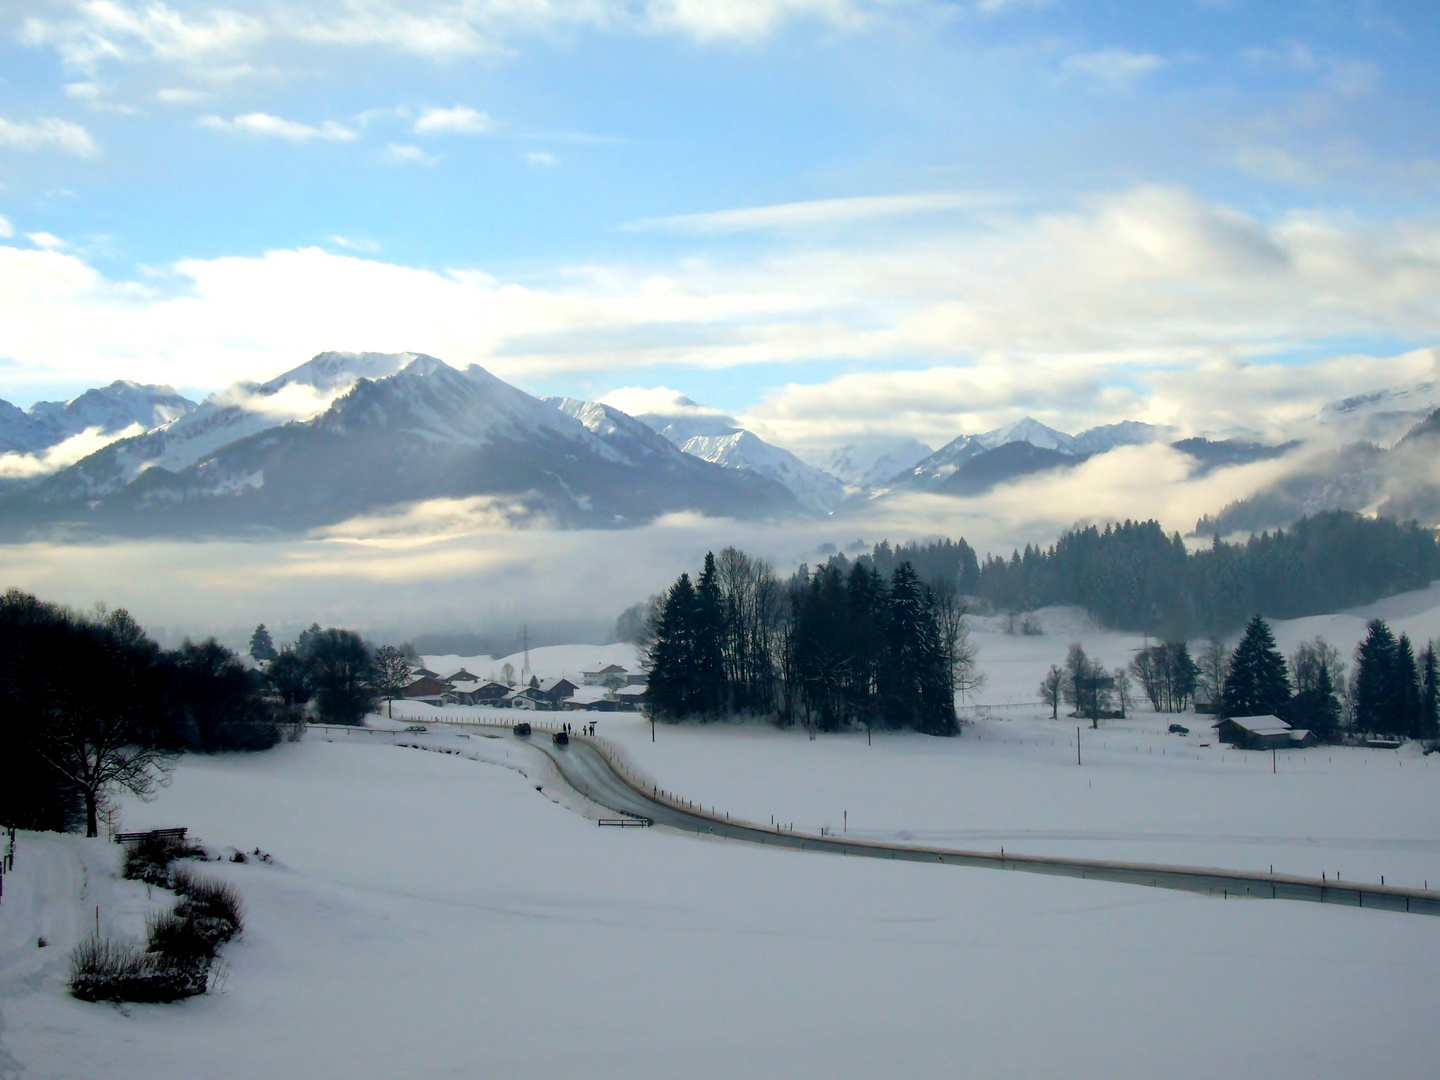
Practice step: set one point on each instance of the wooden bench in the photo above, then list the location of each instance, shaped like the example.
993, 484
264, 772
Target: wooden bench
152, 834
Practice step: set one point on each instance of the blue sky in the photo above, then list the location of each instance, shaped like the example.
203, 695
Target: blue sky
831, 217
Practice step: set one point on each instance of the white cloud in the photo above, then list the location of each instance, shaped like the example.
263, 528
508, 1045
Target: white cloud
6, 229
46, 241
405, 154
351, 244
279, 128
84, 91
47, 133
543, 158
820, 212
459, 120
656, 400
1111, 69
180, 95
17, 466
1148, 304
205, 35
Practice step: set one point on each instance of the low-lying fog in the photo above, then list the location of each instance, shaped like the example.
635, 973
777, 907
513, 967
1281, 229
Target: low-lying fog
452, 567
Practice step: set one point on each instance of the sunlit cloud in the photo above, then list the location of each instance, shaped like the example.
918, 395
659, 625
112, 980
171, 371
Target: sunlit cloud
17, 466
1112, 69
819, 212
277, 127
47, 133
460, 120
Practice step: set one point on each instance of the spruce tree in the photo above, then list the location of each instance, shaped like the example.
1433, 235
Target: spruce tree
1375, 662
262, 646
708, 659
671, 654
1429, 693
1405, 690
1257, 683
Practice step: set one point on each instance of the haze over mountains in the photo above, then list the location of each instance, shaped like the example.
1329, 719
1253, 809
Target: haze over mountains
351, 434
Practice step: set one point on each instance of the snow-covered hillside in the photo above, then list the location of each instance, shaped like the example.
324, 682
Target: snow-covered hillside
716, 439
429, 911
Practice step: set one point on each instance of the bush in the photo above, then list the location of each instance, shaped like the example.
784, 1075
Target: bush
213, 904
108, 971
185, 942
149, 859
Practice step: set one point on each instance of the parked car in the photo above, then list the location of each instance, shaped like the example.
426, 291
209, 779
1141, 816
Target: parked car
522, 728
1179, 729
560, 738
417, 728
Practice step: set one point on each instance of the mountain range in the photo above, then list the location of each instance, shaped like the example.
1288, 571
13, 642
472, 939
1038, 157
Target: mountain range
347, 434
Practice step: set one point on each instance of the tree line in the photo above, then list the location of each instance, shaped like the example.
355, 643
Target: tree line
1390, 691
822, 649
1132, 576
89, 703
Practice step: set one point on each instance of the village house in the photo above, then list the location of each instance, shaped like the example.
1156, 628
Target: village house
1262, 733
605, 675
427, 688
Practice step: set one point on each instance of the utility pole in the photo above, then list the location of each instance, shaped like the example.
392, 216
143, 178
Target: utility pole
1077, 746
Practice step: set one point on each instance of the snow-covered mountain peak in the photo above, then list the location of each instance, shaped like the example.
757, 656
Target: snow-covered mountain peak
1028, 430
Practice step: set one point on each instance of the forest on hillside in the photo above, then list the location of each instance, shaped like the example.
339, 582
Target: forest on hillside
1132, 576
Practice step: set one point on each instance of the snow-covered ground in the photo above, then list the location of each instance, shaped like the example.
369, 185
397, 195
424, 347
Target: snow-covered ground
433, 914
430, 915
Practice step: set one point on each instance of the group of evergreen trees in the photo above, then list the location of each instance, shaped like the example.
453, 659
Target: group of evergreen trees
822, 649
1132, 576
1393, 694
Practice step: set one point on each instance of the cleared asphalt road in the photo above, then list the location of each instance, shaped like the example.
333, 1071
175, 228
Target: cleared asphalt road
588, 769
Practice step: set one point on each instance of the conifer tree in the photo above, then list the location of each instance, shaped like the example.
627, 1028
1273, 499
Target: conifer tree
671, 653
1429, 693
1405, 690
1375, 662
708, 634
262, 646
1257, 683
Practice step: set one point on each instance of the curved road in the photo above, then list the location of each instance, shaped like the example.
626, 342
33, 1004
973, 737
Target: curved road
595, 772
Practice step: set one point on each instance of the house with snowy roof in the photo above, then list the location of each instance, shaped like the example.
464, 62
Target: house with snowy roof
601, 676
1262, 733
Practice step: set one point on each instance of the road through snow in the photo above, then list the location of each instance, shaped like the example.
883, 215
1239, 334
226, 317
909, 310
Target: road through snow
595, 771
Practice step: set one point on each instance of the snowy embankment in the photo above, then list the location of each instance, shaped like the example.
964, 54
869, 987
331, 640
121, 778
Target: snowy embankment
431, 915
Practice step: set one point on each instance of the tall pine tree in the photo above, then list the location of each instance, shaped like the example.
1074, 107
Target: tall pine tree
671, 654
1375, 663
1429, 693
1257, 683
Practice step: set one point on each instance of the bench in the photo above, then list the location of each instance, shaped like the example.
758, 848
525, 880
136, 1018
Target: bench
152, 834
631, 822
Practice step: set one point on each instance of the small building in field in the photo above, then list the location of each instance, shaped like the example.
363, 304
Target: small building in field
1262, 733
490, 693
463, 676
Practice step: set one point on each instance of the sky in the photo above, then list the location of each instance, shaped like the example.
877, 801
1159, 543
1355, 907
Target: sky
831, 218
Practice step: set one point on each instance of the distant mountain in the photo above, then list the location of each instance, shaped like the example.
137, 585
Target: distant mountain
872, 461
1381, 416
31, 442
242, 410
1402, 482
1212, 454
934, 473
1008, 461
424, 431
718, 440
1107, 437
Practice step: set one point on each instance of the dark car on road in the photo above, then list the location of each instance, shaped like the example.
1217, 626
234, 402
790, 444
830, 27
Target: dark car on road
560, 738
1179, 729
522, 728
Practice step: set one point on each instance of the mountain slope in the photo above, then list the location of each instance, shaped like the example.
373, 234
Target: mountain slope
425, 432
716, 439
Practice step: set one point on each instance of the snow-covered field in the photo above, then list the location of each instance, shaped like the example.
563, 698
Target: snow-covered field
433, 915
